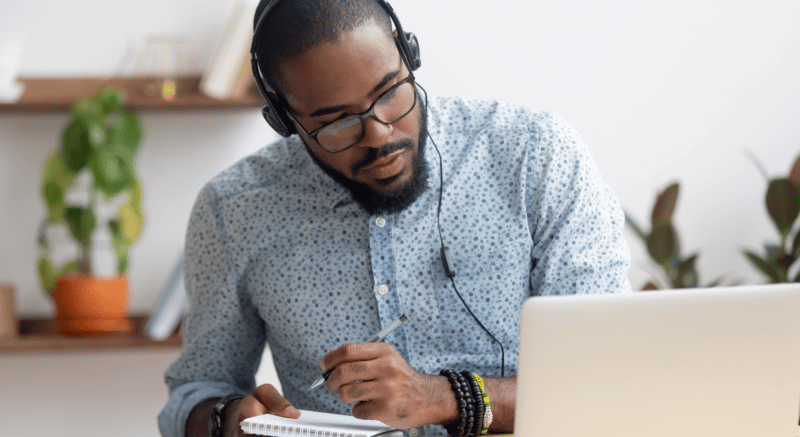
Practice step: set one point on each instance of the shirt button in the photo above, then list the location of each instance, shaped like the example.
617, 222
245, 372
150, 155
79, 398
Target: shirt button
380, 221
413, 432
383, 289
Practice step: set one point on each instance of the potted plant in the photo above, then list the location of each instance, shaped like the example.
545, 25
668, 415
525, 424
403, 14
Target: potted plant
663, 244
90, 186
783, 205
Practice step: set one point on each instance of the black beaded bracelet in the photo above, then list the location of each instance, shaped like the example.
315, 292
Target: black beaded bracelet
465, 402
476, 394
470, 407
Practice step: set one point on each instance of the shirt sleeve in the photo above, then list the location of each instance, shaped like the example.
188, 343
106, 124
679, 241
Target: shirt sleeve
577, 221
223, 335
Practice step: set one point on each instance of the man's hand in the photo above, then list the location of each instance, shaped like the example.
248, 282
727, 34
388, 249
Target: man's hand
264, 399
384, 387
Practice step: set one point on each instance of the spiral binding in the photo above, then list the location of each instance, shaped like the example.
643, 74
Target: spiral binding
294, 431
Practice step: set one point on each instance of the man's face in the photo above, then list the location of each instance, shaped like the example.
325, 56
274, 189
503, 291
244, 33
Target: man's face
338, 79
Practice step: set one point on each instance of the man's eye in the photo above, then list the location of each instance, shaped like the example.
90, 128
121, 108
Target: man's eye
333, 120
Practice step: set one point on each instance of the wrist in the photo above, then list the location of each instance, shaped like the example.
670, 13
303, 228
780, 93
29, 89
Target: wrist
443, 403
219, 420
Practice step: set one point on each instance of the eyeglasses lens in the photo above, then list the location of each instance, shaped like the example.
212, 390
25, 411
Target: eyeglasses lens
393, 105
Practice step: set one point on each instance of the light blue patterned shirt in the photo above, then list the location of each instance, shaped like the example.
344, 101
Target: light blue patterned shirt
278, 252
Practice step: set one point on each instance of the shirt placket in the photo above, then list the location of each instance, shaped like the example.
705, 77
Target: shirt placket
384, 276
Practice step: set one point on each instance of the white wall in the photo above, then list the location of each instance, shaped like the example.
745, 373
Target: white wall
660, 92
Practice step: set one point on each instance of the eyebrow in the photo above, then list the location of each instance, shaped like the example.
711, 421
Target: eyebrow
335, 109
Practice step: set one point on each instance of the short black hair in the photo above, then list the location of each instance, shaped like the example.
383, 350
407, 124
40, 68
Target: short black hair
295, 26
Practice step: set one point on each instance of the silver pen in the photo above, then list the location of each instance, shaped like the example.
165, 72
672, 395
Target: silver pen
379, 336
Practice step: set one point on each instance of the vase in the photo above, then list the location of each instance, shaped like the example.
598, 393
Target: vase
89, 305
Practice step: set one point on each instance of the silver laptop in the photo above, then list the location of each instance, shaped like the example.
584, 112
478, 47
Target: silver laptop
690, 363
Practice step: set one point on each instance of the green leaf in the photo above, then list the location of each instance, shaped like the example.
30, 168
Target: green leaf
57, 178
687, 273
76, 149
665, 204
121, 246
48, 275
81, 223
766, 268
796, 246
111, 99
635, 227
136, 196
112, 170
52, 194
97, 134
71, 269
131, 221
127, 130
54, 170
772, 253
662, 243
54, 197
783, 203
85, 108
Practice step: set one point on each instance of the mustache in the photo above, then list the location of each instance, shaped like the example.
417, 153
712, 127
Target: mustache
373, 154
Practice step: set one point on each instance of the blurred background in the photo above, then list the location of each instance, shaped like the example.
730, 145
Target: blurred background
679, 91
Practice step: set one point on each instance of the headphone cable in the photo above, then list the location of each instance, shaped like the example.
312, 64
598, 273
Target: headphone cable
449, 268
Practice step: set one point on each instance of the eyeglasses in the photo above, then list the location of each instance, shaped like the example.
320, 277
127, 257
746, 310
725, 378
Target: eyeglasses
392, 105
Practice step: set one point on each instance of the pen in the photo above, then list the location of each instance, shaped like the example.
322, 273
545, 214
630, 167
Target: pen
379, 336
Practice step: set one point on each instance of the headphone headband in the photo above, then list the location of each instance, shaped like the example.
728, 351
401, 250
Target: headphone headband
274, 112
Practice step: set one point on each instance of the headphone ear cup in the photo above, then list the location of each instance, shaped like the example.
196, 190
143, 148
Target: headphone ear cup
277, 118
412, 45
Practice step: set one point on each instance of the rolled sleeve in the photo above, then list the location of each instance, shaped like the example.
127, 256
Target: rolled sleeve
579, 247
223, 334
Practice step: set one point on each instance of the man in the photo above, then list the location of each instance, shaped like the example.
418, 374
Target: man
320, 239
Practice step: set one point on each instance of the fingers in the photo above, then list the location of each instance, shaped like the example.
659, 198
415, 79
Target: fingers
266, 399
360, 392
355, 352
360, 362
352, 352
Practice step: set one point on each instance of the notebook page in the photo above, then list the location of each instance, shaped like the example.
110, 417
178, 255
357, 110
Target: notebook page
313, 424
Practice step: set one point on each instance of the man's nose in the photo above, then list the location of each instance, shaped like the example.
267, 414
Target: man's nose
376, 133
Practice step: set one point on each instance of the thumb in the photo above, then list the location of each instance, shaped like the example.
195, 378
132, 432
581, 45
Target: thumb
270, 401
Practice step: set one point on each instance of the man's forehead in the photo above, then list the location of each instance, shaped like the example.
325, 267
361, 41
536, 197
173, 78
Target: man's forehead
340, 73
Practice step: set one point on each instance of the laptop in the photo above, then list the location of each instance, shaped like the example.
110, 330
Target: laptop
690, 363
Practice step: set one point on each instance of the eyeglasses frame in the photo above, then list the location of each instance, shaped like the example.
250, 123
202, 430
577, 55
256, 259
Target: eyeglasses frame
370, 112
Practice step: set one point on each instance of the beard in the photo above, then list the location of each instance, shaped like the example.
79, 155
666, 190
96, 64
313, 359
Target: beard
375, 202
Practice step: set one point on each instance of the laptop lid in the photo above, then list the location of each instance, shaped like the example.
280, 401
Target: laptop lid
700, 362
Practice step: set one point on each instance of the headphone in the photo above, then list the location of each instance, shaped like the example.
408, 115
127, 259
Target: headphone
274, 111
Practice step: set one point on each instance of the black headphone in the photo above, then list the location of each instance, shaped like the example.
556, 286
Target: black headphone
274, 111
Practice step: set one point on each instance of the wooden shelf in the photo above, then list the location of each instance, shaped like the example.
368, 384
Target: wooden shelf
56, 94
42, 335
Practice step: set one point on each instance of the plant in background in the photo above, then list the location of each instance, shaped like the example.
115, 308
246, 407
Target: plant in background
99, 144
783, 206
663, 244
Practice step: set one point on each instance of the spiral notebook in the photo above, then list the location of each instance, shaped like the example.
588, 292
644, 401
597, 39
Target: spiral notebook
316, 424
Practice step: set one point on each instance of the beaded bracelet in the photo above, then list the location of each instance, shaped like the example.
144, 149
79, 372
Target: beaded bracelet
465, 402
475, 430
487, 409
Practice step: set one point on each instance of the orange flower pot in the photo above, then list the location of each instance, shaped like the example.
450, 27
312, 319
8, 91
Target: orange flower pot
87, 305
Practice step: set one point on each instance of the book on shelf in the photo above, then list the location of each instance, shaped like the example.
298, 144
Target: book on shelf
225, 70
170, 307
317, 424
